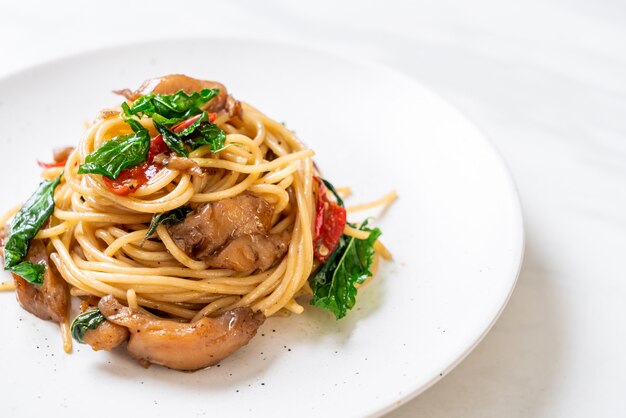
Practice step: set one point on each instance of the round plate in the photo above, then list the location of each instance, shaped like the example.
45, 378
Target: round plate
455, 232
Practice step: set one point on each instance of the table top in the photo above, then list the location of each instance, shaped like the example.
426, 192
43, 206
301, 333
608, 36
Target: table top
544, 80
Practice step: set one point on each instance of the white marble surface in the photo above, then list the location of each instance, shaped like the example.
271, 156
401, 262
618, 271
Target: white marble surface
544, 79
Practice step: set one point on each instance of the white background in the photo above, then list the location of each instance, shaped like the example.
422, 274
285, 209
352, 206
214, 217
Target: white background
544, 79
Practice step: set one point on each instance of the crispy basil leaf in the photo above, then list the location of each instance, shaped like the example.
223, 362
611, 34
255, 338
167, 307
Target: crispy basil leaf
181, 102
169, 218
84, 322
207, 133
31, 272
28, 221
350, 263
124, 151
172, 139
169, 109
157, 118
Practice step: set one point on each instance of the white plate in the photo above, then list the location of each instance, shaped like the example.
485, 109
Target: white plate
456, 234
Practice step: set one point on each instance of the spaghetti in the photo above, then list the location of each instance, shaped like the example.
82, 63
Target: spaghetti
101, 238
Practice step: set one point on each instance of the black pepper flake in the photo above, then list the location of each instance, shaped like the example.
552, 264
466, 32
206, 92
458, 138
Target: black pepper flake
262, 384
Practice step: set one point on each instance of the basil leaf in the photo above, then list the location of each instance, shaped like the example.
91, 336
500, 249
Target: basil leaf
84, 322
28, 221
170, 109
207, 133
172, 140
124, 151
157, 118
169, 218
181, 102
350, 263
142, 106
31, 272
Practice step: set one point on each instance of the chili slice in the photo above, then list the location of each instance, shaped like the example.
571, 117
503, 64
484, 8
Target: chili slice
131, 178
51, 165
330, 221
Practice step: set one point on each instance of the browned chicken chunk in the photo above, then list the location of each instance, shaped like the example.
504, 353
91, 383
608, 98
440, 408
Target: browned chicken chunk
182, 164
232, 233
106, 336
183, 346
172, 83
51, 299
249, 252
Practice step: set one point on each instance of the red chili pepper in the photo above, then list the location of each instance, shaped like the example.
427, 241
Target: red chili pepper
330, 221
51, 165
128, 180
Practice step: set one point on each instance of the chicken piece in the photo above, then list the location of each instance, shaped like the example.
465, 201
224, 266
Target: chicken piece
211, 225
182, 164
183, 346
106, 336
51, 299
238, 227
172, 83
250, 252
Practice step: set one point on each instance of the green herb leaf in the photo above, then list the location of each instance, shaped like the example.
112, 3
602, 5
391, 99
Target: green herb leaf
170, 109
157, 118
207, 133
124, 151
31, 272
84, 322
172, 140
181, 102
28, 221
350, 263
169, 218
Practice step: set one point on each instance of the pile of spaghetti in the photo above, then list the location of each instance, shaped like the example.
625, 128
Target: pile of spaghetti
182, 220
